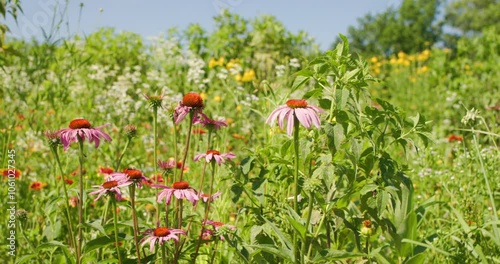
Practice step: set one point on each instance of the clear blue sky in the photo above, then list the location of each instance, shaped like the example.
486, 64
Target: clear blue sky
322, 19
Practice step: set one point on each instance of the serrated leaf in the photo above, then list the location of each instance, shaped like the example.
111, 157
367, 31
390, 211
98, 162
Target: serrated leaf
368, 188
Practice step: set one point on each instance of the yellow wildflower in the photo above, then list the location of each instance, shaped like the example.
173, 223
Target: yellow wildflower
237, 77
248, 76
217, 99
203, 96
374, 59
213, 62
401, 55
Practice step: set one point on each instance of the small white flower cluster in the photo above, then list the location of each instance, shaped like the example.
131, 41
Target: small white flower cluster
196, 70
280, 70
222, 74
294, 62
235, 69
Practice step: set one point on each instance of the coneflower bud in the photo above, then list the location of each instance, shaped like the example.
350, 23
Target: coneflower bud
366, 229
154, 100
131, 131
53, 138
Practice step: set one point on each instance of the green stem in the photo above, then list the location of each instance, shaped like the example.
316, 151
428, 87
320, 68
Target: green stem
80, 203
122, 154
296, 172
488, 188
296, 178
163, 255
309, 252
186, 149
115, 220
207, 210
70, 225
134, 218
155, 149
309, 213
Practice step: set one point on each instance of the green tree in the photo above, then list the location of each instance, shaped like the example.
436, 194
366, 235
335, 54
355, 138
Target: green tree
472, 16
7, 7
410, 28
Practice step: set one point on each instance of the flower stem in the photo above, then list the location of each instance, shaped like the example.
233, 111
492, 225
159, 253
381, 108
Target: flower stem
309, 213
296, 172
134, 218
155, 137
207, 210
122, 154
186, 149
163, 255
296, 178
115, 220
80, 203
70, 225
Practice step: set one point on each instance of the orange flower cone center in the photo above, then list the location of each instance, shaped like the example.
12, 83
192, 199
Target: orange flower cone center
180, 185
367, 223
192, 100
79, 123
109, 184
214, 152
161, 232
296, 103
133, 174
218, 224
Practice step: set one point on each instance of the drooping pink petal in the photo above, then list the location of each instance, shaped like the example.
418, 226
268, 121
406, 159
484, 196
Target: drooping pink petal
302, 115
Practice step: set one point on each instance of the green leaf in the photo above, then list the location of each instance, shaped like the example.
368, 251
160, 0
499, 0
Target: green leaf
25, 258
297, 226
247, 165
299, 81
270, 248
417, 259
333, 254
368, 188
341, 98
97, 226
100, 242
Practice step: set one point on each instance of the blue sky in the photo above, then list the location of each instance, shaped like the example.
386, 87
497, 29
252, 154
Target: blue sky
322, 19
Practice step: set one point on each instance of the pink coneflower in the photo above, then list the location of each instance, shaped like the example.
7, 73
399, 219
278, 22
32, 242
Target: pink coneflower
218, 227
135, 176
81, 128
214, 155
294, 108
210, 124
167, 165
190, 102
160, 234
179, 189
206, 196
112, 186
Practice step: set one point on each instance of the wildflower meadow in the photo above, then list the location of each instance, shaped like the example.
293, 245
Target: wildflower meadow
248, 145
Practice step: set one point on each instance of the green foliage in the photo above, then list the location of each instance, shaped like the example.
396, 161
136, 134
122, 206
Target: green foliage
374, 157
473, 16
410, 28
